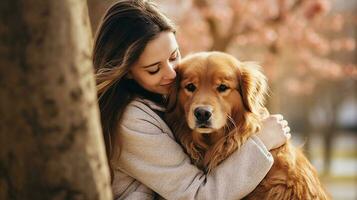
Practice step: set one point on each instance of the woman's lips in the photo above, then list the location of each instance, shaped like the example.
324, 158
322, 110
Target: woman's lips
166, 84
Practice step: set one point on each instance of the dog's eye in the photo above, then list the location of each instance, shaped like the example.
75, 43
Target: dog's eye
222, 88
190, 87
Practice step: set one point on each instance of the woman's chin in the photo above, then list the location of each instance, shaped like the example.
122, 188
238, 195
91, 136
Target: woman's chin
164, 90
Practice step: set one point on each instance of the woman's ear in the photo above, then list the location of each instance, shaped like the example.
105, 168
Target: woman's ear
252, 85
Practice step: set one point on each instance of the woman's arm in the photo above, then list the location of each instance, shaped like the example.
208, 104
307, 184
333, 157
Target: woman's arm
156, 160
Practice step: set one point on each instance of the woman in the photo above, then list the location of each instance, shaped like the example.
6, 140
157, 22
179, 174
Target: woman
135, 55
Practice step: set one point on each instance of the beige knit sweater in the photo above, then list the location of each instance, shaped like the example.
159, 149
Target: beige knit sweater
153, 165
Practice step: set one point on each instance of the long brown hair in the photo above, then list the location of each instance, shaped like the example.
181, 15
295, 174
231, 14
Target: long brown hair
122, 36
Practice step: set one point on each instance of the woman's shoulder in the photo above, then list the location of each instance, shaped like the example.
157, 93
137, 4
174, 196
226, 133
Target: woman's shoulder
138, 109
139, 116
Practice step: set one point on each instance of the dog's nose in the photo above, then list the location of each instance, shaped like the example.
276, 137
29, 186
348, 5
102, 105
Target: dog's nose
202, 114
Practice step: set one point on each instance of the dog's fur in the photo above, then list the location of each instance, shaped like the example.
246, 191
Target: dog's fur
233, 95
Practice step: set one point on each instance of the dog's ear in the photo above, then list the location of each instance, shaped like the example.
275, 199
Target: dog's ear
174, 114
172, 97
253, 87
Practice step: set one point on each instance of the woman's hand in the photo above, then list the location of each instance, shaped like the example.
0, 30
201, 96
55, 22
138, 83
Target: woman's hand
274, 131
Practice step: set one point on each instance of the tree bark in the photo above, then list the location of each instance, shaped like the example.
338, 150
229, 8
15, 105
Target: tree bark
97, 9
50, 135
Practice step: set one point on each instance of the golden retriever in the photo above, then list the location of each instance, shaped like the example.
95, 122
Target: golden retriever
222, 101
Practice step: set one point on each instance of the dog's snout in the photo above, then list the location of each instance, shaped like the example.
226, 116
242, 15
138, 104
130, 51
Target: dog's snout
202, 114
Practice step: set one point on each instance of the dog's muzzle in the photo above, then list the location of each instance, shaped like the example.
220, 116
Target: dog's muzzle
203, 116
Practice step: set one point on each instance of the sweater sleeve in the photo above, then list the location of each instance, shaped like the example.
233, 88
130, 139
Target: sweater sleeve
156, 160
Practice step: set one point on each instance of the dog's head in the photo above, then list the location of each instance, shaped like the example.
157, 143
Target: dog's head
214, 88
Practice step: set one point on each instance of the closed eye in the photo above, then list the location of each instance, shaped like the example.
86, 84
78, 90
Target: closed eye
152, 72
173, 58
175, 55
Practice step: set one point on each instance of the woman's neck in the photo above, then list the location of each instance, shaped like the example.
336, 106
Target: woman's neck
139, 91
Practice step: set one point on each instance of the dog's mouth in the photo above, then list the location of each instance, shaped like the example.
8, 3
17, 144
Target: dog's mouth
204, 128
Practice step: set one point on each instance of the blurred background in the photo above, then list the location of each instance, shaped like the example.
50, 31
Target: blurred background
308, 51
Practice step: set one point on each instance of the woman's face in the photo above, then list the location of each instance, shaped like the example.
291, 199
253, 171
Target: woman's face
155, 69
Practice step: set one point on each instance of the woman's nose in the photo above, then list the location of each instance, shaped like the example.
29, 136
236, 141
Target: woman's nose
170, 70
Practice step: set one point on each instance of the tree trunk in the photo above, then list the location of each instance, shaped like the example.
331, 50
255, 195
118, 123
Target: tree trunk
50, 136
97, 9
